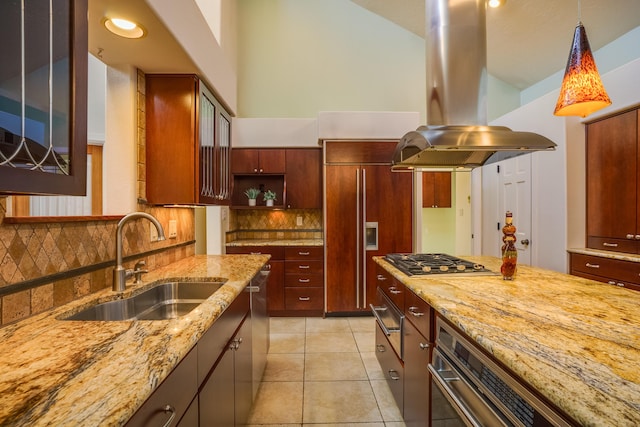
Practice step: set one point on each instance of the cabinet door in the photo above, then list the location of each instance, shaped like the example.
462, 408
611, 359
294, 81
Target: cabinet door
256, 161
55, 115
436, 189
217, 396
243, 373
612, 178
304, 178
417, 355
272, 161
343, 249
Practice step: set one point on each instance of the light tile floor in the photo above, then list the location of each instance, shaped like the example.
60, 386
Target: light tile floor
324, 372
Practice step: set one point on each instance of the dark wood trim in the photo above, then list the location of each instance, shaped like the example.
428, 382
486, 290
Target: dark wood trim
45, 219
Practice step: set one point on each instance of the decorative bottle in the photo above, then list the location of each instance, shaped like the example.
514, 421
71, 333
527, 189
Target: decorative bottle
509, 251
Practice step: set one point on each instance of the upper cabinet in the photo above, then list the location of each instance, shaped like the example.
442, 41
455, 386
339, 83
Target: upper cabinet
612, 190
436, 189
304, 178
254, 161
43, 97
188, 142
294, 174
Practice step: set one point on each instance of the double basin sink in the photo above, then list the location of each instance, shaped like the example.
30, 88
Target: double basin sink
163, 301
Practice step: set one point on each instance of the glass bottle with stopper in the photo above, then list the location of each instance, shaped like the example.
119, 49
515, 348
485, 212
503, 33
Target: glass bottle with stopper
509, 251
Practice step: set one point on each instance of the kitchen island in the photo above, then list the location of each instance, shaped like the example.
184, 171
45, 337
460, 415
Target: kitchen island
576, 341
58, 372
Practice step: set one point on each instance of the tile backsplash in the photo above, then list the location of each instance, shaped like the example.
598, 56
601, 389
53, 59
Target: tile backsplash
47, 264
274, 224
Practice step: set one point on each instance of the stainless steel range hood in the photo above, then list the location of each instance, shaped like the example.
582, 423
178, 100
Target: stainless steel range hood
457, 135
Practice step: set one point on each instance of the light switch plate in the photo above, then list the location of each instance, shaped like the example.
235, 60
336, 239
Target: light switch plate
173, 229
298, 220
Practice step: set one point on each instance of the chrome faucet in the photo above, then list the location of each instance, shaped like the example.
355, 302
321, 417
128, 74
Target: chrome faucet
120, 274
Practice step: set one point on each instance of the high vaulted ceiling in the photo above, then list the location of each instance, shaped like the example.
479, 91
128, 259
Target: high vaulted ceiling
528, 40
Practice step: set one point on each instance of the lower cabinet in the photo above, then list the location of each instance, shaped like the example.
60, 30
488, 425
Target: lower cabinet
213, 385
418, 344
391, 366
608, 270
226, 395
170, 401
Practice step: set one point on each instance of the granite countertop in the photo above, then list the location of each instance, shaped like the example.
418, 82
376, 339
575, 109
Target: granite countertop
55, 372
276, 242
575, 340
622, 256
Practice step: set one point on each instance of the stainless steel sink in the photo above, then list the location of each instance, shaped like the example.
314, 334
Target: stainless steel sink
161, 302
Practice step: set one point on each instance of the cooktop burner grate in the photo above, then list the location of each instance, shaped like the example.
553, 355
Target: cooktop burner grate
426, 264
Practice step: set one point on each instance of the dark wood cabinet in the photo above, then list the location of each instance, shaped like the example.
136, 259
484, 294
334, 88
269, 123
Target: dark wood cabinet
436, 189
368, 213
418, 344
188, 142
612, 190
608, 270
304, 178
50, 155
258, 160
304, 280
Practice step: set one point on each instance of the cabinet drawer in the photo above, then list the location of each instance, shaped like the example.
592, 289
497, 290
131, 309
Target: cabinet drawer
611, 244
276, 252
391, 366
304, 267
304, 252
304, 298
391, 287
418, 312
625, 271
177, 390
293, 280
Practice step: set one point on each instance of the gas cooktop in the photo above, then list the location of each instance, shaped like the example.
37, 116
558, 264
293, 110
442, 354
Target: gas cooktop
427, 264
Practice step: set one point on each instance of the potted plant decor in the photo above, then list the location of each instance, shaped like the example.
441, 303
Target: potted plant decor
252, 194
269, 196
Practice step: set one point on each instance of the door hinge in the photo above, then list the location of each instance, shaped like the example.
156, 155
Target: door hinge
498, 226
498, 168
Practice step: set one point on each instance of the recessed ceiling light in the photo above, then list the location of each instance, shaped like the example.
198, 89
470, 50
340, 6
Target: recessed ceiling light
496, 3
124, 28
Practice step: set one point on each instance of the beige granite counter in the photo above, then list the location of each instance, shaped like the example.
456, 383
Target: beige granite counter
56, 372
277, 242
575, 340
622, 256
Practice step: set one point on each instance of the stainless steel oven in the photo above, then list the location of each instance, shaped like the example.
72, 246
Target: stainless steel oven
469, 389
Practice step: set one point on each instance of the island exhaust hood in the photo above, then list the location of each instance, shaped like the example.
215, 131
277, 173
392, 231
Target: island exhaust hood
456, 134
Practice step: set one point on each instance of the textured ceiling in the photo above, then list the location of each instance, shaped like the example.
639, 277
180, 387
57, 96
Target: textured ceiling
528, 40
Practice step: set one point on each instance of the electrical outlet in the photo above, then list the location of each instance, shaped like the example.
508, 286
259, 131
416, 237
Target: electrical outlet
173, 229
298, 220
153, 233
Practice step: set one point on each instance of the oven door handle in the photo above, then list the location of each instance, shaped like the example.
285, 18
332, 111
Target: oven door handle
387, 331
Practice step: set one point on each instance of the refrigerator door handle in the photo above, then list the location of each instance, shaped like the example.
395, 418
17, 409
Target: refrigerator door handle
357, 236
364, 238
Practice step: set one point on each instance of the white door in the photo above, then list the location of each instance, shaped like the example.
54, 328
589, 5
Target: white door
514, 179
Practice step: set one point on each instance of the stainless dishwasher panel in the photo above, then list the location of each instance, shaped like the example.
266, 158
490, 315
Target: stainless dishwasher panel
391, 321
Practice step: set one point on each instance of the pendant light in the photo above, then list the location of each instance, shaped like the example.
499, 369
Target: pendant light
582, 91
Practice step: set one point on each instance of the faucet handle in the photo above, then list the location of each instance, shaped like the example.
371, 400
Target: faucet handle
138, 271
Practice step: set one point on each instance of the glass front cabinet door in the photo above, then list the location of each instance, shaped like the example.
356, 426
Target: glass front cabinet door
43, 97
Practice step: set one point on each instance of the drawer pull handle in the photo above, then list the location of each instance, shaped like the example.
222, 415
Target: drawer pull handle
630, 236
303, 267
414, 312
611, 282
381, 348
610, 245
393, 374
381, 278
424, 346
304, 298
304, 280
394, 290
592, 265
304, 253
256, 253
637, 236
171, 409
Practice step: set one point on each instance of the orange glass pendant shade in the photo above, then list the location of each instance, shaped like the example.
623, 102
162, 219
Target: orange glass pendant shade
582, 91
